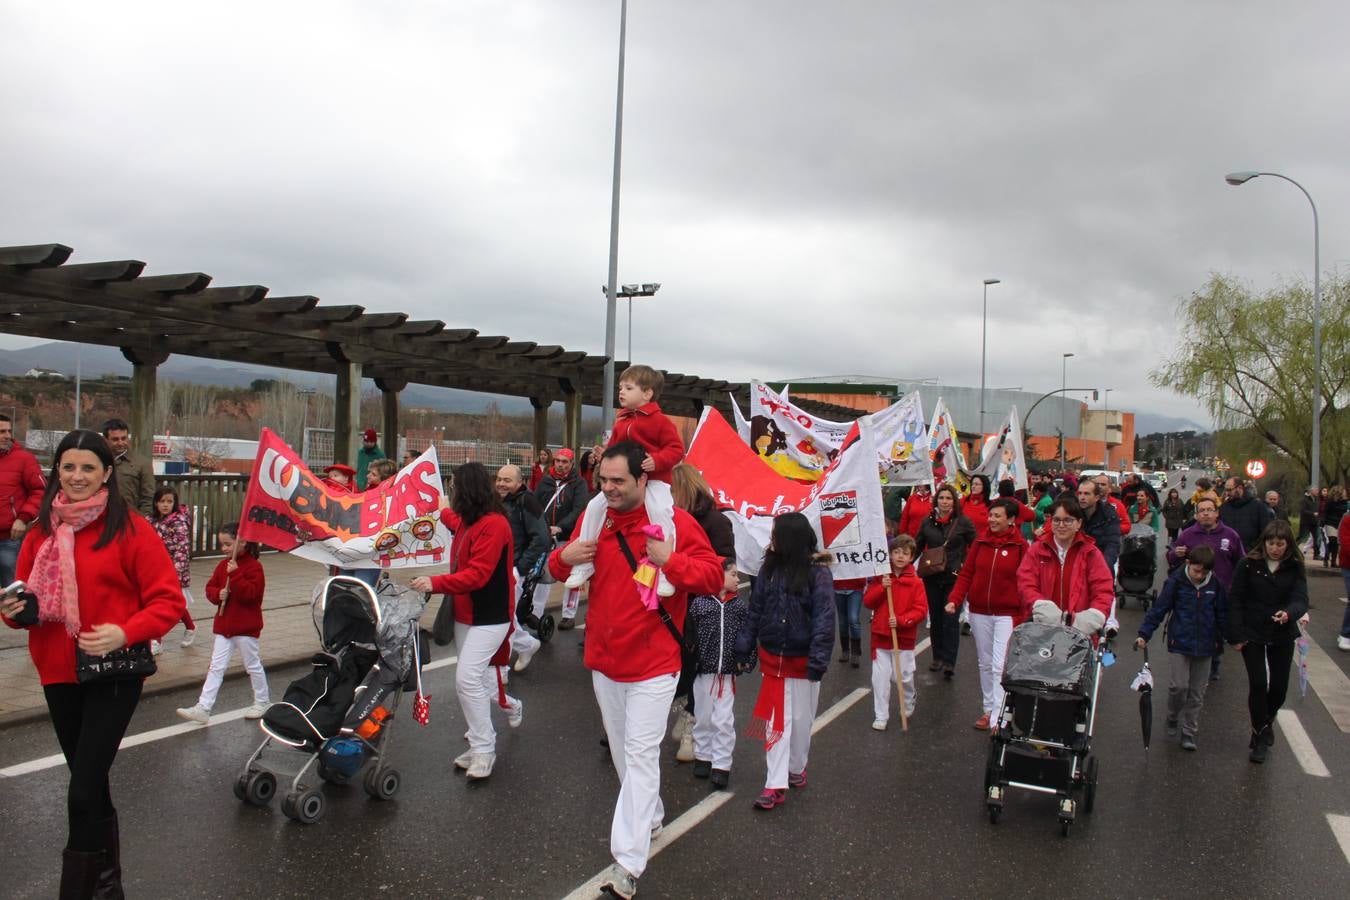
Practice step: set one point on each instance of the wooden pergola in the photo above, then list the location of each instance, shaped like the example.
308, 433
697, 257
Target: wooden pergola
149, 317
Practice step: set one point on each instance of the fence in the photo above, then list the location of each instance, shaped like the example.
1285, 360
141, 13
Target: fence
318, 450
213, 501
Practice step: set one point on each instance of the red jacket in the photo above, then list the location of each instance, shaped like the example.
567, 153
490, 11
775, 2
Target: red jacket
916, 510
21, 487
988, 579
625, 641
1122, 511
130, 582
242, 615
911, 606
649, 427
482, 577
1083, 581
1344, 532
978, 514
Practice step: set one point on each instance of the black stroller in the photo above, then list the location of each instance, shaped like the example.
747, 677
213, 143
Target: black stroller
1138, 566
1043, 742
542, 626
337, 718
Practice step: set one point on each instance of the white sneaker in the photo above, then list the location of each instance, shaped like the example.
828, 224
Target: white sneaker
188, 637
618, 883
1343, 643
580, 575
657, 829
155, 648
199, 714
464, 760
663, 586
256, 710
686, 752
516, 714
523, 659
481, 766
878, 724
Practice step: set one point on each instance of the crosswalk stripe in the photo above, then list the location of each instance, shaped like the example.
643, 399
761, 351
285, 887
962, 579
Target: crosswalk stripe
1300, 744
1340, 826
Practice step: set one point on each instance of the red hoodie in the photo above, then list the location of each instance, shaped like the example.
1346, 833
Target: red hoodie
482, 577
242, 615
917, 508
130, 582
625, 641
648, 426
1082, 581
988, 578
911, 606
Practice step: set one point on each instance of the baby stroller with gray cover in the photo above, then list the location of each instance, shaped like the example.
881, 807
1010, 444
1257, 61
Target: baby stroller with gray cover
337, 719
1043, 740
1137, 566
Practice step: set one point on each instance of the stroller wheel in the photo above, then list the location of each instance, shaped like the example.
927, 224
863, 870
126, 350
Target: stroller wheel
545, 630
1090, 784
259, 788
382, 784
305, 807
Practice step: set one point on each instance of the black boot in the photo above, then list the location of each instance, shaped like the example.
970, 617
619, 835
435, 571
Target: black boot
109, 886
843, 646
79, 873
1259, 745
855, 653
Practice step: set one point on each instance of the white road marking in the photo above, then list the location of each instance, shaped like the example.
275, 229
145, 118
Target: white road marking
1340, 826
1331, 685
1300, 744
159, 734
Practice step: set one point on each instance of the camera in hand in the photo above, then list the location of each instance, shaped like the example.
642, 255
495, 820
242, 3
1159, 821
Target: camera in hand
29, 614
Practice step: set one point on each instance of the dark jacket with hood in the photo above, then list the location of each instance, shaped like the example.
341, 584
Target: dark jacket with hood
1248, 517
933, 533
715, 525
528, 532
1103, 526
562, 507
1258, 594
791, 624
1199, 617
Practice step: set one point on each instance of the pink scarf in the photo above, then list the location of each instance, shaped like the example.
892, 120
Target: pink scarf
53, 575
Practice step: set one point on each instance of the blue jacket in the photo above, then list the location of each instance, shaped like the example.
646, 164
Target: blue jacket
791, 624
1199, 615
717, 624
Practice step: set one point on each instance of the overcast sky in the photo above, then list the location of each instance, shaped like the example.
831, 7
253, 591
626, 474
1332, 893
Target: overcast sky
820, 187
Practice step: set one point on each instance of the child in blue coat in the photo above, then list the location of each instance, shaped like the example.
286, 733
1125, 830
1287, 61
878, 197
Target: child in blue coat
1199, 608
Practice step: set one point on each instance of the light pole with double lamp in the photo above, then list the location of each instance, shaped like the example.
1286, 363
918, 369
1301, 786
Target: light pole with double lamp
628, 292
1106, 432
1063, 427
1240, 178
611, 290
984, 334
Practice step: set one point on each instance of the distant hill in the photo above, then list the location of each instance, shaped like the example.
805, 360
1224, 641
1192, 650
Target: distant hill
1148, 423
96, 360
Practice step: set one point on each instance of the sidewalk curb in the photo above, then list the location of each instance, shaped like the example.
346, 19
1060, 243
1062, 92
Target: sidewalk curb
154, 688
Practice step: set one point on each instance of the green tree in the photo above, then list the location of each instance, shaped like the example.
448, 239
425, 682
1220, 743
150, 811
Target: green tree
1248, 357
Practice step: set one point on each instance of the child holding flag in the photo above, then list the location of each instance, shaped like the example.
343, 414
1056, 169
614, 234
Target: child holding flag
908, 607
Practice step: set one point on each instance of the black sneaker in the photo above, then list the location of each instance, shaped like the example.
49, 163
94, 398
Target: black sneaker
1171, 727
1258, 754
702, 768
567, 624
1187, 742
719, 778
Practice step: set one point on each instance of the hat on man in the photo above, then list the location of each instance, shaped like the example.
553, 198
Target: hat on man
340, 468
564, 453
369, 436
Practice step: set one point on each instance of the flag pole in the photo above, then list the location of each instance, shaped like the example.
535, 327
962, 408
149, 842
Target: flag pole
895, 657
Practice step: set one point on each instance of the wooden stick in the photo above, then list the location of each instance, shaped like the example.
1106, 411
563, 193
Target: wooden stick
895, 661
234, 554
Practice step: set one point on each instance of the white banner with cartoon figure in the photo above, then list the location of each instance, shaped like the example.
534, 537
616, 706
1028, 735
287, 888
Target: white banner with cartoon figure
949, 463
1003, 455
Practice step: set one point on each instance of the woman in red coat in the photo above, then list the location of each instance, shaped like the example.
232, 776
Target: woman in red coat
480, 584
988, 582
1064, 572
100, 580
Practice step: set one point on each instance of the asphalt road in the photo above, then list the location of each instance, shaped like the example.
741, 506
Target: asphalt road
885, 814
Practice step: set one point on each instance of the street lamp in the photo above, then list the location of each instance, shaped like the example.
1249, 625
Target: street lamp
1063, 427
1241, 178
628, 292
612, 302
1106, 411
984, 333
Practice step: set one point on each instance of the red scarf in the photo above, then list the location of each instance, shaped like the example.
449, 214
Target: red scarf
53, 575
766, 722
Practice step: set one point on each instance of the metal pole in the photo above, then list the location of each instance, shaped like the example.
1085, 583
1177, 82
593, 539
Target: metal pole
1106, 411
611, 301
630, 331
1063, 426
984, 333
79, 361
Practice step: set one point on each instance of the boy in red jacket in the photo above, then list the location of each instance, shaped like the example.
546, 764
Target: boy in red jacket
911, 606
236, 587
642, 422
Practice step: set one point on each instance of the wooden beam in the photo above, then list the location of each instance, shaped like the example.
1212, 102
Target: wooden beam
516, 348
545, 351
381, 320
184, 283
35, 256
102, 272
286, 305
324, 314
421, 328
238, 295
488, 342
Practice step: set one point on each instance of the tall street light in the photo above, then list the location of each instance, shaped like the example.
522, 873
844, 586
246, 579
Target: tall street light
1063, 427
1240, 178
628, 292
1106, 411
612, 301
984, 333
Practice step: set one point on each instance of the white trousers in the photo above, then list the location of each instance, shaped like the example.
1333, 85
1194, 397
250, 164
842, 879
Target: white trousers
634, 713
221, 653
476, 681
800, 697
883, 678
521, 640
991, 635
187, 595
715, 719
540, 599
571, 600
660, 506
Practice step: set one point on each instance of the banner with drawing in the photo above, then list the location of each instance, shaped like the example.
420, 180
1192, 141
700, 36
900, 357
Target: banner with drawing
394, 525
844, 504
1003, 455
800, 446
949, 463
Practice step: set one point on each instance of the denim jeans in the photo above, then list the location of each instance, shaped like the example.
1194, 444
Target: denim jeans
848, 613
9, 558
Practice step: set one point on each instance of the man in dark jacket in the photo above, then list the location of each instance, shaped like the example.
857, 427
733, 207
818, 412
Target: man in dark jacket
1307, 522
135, 476
531, 543
1244, 513
1101, 523
562, 495
21, 488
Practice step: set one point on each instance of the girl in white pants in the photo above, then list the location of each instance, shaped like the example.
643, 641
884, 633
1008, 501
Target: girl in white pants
478, 686
221, 654
883, 679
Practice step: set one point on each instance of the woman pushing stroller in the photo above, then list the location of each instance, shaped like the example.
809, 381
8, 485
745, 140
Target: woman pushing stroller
1064, 573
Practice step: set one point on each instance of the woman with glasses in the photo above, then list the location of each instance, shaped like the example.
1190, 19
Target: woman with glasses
1064, 573
947, 528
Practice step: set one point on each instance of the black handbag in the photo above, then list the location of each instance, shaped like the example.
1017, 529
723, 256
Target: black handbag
134, 661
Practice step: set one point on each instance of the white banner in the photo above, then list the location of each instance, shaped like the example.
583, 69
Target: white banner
1003, 455
949, 463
